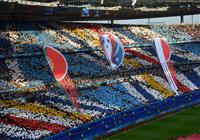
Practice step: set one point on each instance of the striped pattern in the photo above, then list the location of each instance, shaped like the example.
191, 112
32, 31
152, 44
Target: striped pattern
149, 80
32, 106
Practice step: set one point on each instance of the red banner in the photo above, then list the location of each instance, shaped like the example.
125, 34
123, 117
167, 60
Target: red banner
59, 67
164, 53
57, 63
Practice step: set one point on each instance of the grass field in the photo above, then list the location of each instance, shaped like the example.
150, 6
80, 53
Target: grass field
182, 123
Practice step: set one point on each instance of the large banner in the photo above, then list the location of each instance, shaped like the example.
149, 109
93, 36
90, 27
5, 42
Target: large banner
59, 68
113, 49
57, 63
164, 53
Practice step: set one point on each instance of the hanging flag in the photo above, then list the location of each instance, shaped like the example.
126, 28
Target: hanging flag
59, 68
57, 63
113, 49
164, 53
183, 88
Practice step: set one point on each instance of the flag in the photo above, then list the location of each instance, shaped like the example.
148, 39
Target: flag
164, 53
57, 63
59, 68
113, 49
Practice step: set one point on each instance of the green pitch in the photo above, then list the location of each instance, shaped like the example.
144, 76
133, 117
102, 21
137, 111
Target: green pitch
180, 124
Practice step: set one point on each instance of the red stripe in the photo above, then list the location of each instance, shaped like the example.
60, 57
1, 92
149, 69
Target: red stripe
92, 27
180, 86
7, 123
142, 56
166, 49
32, 124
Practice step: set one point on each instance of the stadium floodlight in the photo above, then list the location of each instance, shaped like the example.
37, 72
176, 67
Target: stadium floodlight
102, 2
134, 2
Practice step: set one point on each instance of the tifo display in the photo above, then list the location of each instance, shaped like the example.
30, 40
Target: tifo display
104, 70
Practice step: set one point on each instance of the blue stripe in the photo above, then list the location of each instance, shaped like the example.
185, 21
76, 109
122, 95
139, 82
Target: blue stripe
110, 96
193, 77
142, 91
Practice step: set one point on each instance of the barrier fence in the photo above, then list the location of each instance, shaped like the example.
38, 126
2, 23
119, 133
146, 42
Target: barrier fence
40, 53
130, 117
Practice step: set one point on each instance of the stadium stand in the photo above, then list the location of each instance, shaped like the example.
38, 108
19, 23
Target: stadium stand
112, 3
45, 12
169, 3
34, 107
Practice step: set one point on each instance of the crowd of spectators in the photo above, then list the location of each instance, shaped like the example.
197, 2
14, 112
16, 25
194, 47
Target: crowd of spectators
79, 37
29, 92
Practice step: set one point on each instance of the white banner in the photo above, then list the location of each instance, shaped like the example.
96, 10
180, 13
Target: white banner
113, 49
164, 53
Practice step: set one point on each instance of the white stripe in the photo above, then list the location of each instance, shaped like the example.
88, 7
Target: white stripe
82, 101
197, 70
143, 62
15, 131
169, 77
134, 92
156, 94
190, 56
163, 82
128, 40
15, 72
159, 50
72, 109
186, 81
